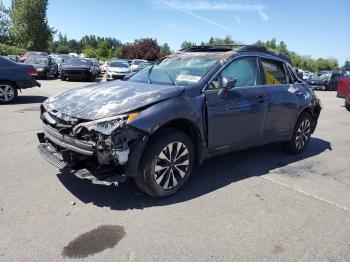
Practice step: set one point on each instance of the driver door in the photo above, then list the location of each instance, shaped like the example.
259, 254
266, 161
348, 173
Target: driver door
239, 115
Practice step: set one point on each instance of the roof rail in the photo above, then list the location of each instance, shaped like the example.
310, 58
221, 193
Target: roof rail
238, 48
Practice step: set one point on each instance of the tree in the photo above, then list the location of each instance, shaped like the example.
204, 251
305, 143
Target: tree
187, 44
90, 52
164, 50
5, 26
146, 48
30, 25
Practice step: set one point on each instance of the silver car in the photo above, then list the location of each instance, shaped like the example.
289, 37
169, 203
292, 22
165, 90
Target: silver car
117, 69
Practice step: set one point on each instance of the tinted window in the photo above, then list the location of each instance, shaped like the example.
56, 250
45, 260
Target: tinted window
78, 62
274, 72
36, 60
244, 70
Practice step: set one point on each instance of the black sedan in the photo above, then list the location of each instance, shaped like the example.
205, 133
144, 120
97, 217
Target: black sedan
45, 66
78, 69
14, 76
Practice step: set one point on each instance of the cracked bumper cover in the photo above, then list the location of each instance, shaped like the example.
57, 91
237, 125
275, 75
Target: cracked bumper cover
62, 150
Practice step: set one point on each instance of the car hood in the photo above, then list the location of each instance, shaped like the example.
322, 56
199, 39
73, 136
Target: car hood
109, 99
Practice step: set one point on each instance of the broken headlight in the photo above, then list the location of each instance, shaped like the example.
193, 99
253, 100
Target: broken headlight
106, 125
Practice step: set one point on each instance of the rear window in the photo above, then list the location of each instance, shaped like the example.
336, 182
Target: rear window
274, 72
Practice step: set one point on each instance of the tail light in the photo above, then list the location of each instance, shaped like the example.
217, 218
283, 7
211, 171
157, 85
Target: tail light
32, 72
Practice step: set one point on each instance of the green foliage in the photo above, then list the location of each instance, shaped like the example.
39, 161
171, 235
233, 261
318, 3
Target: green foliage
300, 61
29, 24
5, 27
164, 50
187, 44
10, 50
90, 52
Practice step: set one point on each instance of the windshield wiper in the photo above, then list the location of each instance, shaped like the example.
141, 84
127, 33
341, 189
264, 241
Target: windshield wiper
170, 78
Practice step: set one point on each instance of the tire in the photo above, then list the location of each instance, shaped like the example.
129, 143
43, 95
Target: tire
170, 177
8, 92
63, 78
347, 104
301, 135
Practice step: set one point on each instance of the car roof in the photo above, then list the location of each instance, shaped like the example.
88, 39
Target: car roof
227, 51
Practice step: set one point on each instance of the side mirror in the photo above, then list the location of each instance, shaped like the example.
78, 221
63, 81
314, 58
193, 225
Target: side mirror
226, 84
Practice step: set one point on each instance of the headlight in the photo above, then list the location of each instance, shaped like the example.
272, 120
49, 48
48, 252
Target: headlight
106, 125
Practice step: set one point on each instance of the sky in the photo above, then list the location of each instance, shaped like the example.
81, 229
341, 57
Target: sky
314, 27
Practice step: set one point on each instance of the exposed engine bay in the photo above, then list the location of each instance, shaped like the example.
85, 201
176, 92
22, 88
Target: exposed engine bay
101, 146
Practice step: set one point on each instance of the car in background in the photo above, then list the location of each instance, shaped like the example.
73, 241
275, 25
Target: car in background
78, 69
45, 66
13, 77
59, 61
333, 81
163, 121
135, 64
117, 69
315, 83
14, 58
144, 64
31, 54
96, 65
104, 67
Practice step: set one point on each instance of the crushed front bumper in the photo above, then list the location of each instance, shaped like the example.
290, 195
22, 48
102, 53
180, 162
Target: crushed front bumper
68, 153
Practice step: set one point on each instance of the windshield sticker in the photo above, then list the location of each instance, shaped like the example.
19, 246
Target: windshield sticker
188, 78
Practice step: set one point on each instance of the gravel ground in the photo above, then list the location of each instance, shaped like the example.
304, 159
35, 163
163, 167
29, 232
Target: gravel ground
254, 205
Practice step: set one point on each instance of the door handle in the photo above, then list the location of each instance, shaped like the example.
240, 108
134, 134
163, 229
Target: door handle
261, 98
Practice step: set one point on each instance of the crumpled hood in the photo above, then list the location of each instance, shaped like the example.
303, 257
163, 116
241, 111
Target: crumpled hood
109, 99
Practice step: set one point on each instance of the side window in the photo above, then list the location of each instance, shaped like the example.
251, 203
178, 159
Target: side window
293, 74
274, 72
244, 70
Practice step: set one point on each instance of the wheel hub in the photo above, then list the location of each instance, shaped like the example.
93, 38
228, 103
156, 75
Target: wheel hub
171, 165
303, 134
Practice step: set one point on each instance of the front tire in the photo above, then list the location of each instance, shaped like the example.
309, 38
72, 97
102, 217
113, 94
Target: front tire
301, 134
166, 164
8, 92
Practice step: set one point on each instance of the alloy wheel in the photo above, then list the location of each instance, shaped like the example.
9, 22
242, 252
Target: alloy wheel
303, 134
171, 165
6, 93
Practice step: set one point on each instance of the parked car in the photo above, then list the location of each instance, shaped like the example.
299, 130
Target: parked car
135, 64
13, 77
333, 81
343, 90
45, 66
31, 54
78, 69
165, 119
316, 83
96, 65
12, 57
117, 69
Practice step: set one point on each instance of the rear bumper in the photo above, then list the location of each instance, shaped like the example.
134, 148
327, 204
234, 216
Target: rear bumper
28, 84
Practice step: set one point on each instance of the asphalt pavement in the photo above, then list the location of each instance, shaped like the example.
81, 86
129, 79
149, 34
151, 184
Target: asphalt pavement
254, 205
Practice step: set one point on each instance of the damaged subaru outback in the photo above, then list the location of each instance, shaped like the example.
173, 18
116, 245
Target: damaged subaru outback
159, 123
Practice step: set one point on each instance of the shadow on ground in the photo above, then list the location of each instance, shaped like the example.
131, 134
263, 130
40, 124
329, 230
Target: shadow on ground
23, 99
214, 174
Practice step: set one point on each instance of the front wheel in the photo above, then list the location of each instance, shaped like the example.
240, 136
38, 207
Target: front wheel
166, 164
301, 135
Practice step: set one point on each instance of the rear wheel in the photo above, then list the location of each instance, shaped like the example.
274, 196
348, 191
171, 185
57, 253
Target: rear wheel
47, 75
8, 92
63, 78
166, 164
301, 135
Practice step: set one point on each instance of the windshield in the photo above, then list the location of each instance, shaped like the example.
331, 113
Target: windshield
36, 61
137, 62
78, 62
182, 70
119, 64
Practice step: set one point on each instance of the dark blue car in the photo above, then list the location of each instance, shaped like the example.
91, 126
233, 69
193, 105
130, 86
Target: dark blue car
158, 124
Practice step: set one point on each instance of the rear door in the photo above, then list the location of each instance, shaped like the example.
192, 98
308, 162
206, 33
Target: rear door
282, 97
239, 116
